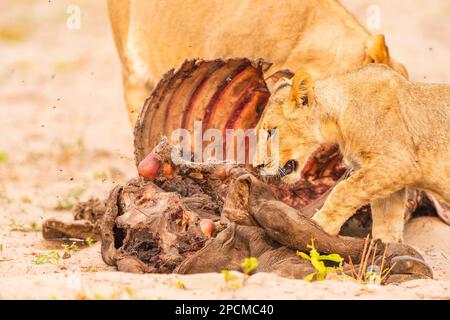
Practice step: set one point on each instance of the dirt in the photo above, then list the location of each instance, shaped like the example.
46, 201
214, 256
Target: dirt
66, 138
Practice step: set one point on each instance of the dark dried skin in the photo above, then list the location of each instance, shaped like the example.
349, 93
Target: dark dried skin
237, 242
150, 225
87, 216
53, 229
141, 235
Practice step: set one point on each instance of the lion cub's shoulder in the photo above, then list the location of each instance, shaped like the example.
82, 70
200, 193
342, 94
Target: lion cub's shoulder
375, 73
367, 76
370, 80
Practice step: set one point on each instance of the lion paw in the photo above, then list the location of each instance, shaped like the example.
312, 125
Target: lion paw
329, 225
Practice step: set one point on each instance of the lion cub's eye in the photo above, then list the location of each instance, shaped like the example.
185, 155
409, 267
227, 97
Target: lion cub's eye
270, 132
305, 100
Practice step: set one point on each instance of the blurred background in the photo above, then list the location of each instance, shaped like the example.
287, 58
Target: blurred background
65, 134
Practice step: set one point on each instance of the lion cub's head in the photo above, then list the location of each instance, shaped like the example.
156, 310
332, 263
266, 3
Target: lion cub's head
288, 119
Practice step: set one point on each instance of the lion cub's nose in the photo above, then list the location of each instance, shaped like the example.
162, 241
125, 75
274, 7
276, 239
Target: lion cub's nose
289, 167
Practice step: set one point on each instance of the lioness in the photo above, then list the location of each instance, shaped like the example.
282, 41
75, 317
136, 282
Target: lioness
319, 36
394, 133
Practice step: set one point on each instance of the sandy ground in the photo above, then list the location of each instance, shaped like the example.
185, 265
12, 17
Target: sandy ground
65, 137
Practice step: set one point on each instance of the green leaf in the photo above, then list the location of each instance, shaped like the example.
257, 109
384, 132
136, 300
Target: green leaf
303, 255
51, 257
3, 157
330, 269
332, 257
310, 277
228, 276
249, 265
319, 265
235, 285
321, 276
317, 259
89, 241
24, 227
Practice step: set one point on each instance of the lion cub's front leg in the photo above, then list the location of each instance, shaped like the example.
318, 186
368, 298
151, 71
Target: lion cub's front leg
370, 183
387, 217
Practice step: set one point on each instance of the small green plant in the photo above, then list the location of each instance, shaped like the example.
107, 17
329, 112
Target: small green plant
249, 265
367, 272
100, 175
24, 227
228, 276
126, 293
89, 241
129, 291
317, 261
3, 157
54, 256
51, 257
235, 285
180, 285
99, 296
231, 280
2, 258
68, 250
69, 201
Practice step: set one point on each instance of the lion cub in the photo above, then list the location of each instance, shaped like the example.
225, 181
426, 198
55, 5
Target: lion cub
394, 133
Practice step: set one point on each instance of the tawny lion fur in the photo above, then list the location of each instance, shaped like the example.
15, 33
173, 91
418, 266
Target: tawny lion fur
319, 36
393, 132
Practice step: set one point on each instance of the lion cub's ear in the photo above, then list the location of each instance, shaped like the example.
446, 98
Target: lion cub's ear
376, 50
302, 90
